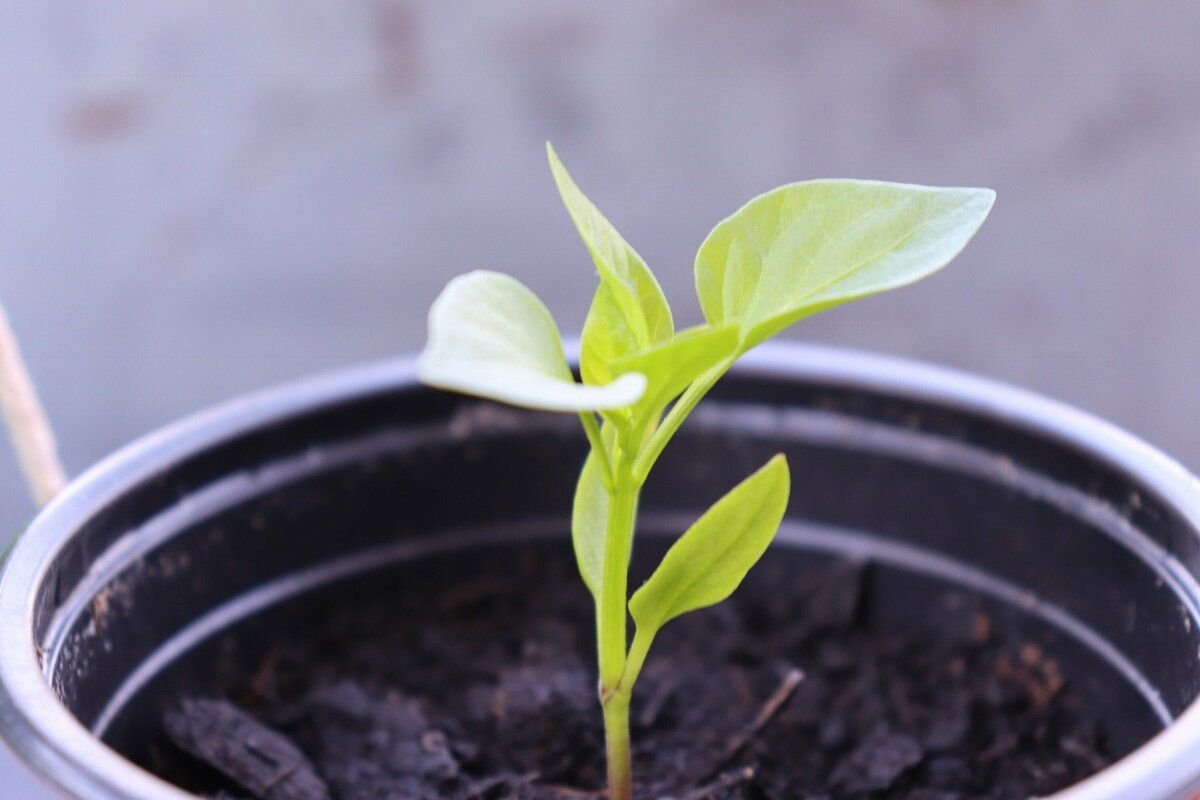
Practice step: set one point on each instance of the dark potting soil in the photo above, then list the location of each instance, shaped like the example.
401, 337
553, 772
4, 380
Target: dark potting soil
485, 690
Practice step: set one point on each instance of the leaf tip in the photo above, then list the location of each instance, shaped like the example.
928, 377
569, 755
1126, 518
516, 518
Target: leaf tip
977, 202
556, 166
986, 198
627, 389
779, 468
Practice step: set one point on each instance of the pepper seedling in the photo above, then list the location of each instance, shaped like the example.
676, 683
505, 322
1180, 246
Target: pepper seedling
786, 255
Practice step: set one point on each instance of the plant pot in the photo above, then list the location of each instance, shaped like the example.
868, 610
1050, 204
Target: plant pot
129, 588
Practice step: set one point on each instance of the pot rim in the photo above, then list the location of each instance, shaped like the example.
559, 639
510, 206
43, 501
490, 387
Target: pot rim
62, 752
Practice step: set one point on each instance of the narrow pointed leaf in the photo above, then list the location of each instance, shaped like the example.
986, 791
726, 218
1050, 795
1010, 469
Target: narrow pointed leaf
490, 336
806, 247
633, 312
708, 562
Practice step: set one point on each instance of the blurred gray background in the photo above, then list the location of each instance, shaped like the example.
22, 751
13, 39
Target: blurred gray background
199, 199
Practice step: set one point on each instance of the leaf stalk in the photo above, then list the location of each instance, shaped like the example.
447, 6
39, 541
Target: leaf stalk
686, 403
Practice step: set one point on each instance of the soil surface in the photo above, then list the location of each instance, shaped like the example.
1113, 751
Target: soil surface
485, 690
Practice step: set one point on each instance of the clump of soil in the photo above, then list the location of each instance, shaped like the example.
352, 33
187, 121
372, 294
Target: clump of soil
485, 690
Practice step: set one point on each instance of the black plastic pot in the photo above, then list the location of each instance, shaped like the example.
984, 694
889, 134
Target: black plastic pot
958, 489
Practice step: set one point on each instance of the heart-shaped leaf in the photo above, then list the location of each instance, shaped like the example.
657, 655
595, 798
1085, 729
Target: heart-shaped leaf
806, 247
629, 311
492, 337
712, 557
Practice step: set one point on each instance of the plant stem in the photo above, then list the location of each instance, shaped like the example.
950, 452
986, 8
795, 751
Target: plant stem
636, 659
616, 738
675, 417
619, 668
618, 539
592, 429
611, 620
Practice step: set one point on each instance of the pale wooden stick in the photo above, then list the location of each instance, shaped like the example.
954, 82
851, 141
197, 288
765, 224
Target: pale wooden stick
27, 425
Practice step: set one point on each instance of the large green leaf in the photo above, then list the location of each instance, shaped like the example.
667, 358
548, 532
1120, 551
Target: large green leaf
630, 310
490, 336
708, 562
809, 246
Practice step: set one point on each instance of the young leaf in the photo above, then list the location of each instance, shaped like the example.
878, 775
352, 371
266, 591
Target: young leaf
708, 562
490, 336
630, 311
589, 524
606, 337
671, 366
806, 247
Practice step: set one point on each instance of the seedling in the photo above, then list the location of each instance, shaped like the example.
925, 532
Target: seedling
785, 255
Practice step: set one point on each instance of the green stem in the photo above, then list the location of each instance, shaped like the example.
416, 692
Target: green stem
592, 429
638, 651
616, 739
618, 538
619, 668
675, 417
611, 621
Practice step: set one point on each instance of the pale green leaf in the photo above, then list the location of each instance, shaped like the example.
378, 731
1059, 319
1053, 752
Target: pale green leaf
671, 366
605, 338
589, 523
630, 311
712, 557
806, 247
490, 336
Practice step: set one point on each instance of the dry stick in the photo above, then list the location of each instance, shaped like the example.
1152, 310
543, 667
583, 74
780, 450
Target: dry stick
765, 714
487, 785
726, 781
27, 426
572, 792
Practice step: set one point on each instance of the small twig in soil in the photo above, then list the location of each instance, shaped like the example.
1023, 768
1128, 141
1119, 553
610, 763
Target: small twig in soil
266, 670
482, 787
28, 427
765, 714
571, 791
728, 780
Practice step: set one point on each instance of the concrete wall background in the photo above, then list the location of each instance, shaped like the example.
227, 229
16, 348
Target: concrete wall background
199, 199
